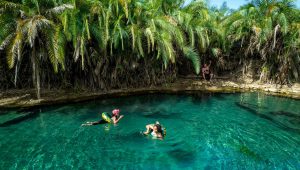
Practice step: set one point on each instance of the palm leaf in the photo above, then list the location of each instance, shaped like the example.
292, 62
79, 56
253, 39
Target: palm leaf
7, 41
15, 48
193, 57
150, 39
60, 9
10, 5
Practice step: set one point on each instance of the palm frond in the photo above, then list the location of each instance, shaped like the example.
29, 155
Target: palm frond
193, 57
97, 33
60, 9
124, 4
82, 51
34, 25
140, 44
87, 29
7, 41
15, 48
51, 46
150, 39
10, 5
283, 23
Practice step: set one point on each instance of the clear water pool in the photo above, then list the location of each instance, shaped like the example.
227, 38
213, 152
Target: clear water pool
204, 131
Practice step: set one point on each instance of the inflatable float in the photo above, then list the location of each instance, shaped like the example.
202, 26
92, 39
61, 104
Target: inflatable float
106, 117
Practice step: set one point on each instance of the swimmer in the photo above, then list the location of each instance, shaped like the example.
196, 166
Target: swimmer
154, 130
116, 117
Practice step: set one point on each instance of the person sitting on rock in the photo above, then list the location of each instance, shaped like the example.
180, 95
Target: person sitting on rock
206, 73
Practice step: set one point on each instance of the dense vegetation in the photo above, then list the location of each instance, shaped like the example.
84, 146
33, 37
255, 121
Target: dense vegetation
102, 44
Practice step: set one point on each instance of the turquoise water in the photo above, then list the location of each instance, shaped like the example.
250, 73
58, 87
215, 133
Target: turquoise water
204, 131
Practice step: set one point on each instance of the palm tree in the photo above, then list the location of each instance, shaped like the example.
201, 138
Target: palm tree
107, 37
262, 27
160, 30
33, 25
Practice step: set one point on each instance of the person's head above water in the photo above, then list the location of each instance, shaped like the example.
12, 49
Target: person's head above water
157, 128
116, 112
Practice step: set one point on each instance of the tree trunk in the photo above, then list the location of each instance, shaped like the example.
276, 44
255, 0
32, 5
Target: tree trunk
16, 75
35, 73
33, 70
38, 81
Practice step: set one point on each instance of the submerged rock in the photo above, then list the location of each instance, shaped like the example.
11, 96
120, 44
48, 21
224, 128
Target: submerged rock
248, 152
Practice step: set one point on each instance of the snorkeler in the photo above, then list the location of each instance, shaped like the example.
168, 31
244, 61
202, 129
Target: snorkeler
154, 130
115, 118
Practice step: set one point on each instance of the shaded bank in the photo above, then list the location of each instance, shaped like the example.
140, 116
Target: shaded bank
26, 98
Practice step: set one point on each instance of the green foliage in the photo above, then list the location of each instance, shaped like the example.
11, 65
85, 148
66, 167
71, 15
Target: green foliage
158, 29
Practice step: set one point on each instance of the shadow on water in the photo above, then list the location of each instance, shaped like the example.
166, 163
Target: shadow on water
288, 114
4, 111
248, 152
295, 121
26, 116
22, 114
219, 96
161, 115
200, 97
247, 107
269, 116
183, 155
132, 139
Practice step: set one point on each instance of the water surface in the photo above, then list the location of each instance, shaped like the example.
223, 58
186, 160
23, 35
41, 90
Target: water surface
204, 131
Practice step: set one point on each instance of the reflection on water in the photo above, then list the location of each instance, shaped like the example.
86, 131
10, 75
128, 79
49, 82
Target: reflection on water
286, 119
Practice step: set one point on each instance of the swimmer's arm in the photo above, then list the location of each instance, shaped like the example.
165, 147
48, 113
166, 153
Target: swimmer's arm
117, 120
150, 126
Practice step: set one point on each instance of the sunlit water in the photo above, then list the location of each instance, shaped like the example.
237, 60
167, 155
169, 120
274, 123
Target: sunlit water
204, 131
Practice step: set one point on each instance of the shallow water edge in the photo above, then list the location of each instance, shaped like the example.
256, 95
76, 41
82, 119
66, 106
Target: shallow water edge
26, 98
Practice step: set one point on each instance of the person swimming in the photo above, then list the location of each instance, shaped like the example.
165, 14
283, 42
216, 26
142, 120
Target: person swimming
154, 130
116, 117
